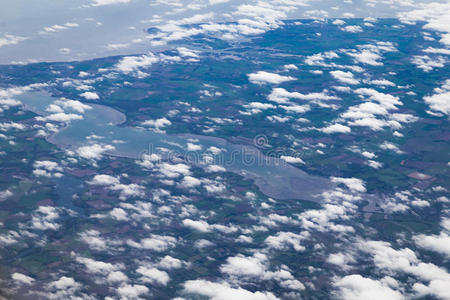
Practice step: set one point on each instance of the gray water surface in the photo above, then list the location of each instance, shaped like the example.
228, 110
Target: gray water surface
274, 177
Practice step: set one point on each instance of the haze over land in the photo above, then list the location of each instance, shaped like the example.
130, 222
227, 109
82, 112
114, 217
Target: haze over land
224, 149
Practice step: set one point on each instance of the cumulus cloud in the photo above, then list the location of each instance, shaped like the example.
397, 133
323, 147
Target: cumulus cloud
371, 54
6, 126
153, 275
190, 182
5, 194
354, 287
20, 278
134, 64
126, 191
158, 123
354, 184
98, 267
223, 291
155, 242
345, 77
322, 219
262, 77
284, 240
352, 28
427, 63
63, 288
292, 160
104, 179
94, 151
435, 15
440, 101
95, 241
254, 266
132, 291
174, 170
60, 117
73, 105
169, 263
201, 225
336, 128
433, 280
280, 95
438, 243
90, 95
47, 169
44, 217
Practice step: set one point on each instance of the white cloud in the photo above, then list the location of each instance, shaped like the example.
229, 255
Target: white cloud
64, 283
153, 275
185, 52
223, 291
94, 240
388, 101
435, 279
435, 14
158, 123
340, 259
213, 2
280, 95
104, 179
190, 182
201, 225
283, 240
98, 267
169, 263
240, 265
174, 170
134, 291
438, 243
437, 50
390, 146
9, 39
5, 194
90, 95
352, 29
345, 77
355, 287
73, 105
336, 128
47, 168
94, 151
371, 54
108, 2
58, 28
119, 214
60, 117
262, 77
440, 101
126, 190
43, 218
354, 184
292, 160
338, 22
22, 279
382, 82
193, 147
155, 242
11, 125
215, 168
133, 64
